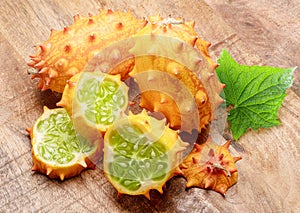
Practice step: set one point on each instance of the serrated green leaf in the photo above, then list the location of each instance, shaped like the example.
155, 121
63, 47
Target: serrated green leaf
255, 93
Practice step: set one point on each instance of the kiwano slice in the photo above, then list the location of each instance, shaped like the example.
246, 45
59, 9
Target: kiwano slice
210, 166
94, 100
141, 153
57, 150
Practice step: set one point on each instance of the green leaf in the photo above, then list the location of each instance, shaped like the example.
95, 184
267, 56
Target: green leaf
254, 93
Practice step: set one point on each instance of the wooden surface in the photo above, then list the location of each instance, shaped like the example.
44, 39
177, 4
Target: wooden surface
254, 32
271, 27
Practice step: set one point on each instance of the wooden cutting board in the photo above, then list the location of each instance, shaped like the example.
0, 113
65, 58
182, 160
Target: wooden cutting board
255, 32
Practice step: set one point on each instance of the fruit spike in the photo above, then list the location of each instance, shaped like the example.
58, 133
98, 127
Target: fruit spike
141, 153
66, 52
176, 28
210, 166
77, 154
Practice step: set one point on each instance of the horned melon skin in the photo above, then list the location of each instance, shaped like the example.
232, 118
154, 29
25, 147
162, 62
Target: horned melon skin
210, 166
66, 52
55, 170
203, 84
158, 135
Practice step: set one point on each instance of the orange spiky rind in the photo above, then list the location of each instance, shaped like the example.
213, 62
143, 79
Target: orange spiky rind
210, 166
163, 92
172, 27
178, 59
49, 139
66, 52
89, 97
212, 84
141, 154
183, 30
114, 59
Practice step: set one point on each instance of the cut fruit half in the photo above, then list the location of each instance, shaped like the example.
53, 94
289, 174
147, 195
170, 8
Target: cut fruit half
141, 153
210, 166
94, 100
57, 150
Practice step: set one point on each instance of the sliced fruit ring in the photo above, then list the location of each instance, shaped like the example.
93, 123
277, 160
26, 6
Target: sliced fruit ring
94, 100
141, 153
57, 150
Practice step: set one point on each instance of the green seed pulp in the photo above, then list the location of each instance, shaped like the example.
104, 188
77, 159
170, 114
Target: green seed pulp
136, 159
104, 100
60, 143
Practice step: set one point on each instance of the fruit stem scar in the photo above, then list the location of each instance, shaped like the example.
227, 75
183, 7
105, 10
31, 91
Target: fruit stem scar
219, 166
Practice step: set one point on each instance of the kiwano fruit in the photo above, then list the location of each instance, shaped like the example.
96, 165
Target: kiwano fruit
141, 153
57, 150
66, 52
210, 166
196, 72
168, 83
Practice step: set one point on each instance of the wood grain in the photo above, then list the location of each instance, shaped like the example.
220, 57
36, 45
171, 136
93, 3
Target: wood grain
271, 27
269, 177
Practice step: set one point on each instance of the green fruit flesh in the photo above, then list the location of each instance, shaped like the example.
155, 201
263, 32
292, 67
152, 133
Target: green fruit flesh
56, 139
136, 159
101, 98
